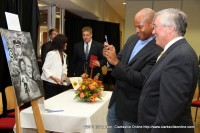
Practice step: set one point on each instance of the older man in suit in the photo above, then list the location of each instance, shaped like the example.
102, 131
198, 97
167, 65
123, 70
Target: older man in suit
83, 52
130, 68
165, 101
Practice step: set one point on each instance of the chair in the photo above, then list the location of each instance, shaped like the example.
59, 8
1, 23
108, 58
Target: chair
104, 70
6, 123
107, 78
9, 91
196, 103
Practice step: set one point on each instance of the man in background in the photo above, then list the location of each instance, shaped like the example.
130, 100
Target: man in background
47, 46
165, 101
130, 69
82, 55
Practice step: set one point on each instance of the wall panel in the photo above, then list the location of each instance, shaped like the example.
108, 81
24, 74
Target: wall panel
190, 7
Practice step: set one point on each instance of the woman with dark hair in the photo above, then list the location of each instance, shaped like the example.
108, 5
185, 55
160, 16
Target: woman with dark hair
54, 70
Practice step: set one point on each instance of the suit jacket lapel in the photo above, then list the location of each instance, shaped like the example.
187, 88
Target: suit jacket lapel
143, 50
91, 48
164, 55
169, 50
82, 50
130, 49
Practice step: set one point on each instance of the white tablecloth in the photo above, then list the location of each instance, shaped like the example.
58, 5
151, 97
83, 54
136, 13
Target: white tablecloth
76, 116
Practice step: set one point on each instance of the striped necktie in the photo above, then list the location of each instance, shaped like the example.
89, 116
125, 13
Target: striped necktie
86, 51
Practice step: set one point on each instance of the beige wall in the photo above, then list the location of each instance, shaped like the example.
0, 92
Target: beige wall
190, 7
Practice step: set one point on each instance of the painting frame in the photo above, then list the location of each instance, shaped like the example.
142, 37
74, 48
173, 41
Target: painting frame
23, 65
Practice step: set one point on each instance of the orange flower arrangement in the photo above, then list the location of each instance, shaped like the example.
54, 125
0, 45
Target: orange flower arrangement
89, 89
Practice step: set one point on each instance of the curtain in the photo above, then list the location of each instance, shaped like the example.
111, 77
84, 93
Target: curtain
74, 25
28, 13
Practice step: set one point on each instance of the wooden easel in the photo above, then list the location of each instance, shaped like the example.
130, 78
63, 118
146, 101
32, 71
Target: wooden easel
37, 116
17, 117
34, 104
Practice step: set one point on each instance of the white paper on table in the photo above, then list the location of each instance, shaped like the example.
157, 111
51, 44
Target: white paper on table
13, 21
75, 81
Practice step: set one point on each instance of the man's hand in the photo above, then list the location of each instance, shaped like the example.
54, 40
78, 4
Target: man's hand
96, 63
110, 53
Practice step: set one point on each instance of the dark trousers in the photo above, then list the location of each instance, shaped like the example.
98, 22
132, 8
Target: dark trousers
51, 89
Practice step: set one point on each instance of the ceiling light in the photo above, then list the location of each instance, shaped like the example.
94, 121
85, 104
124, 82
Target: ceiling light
124, 3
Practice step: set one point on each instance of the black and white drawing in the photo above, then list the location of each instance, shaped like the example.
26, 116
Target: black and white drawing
22, 64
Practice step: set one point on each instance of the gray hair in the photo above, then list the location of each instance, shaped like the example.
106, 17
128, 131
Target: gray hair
174, 17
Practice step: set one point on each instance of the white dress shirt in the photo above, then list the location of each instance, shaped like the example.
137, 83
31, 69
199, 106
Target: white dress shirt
172, 42
89, 46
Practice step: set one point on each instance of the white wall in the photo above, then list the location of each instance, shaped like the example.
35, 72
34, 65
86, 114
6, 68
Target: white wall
190, 7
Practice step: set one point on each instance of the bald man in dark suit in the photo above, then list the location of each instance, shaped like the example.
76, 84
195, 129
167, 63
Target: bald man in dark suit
130, 69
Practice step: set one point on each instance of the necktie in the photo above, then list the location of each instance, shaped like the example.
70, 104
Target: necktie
86, 56
160, 55
86, 51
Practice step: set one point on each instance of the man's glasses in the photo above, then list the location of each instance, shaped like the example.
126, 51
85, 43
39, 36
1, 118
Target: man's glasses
154, 26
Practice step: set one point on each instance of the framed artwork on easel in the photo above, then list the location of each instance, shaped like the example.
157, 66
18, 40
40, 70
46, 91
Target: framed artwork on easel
22, 65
